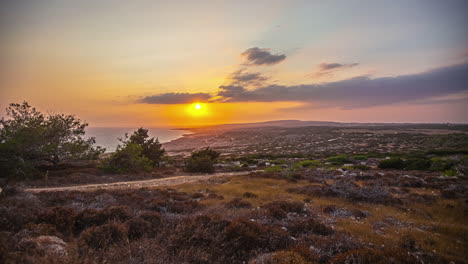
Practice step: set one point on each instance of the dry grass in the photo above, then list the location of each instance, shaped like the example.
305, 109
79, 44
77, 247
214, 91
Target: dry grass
266, 189
439, 227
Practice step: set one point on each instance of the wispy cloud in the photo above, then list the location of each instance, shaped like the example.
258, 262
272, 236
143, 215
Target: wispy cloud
327, 69
258, 56
245, 78
332, 66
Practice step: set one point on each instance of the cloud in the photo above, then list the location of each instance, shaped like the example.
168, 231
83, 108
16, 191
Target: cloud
241, 77
333, 66
360, 91
327, 69
175, 98
258, 56
231, 91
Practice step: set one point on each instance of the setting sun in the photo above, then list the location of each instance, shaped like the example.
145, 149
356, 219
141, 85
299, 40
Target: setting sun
197, 110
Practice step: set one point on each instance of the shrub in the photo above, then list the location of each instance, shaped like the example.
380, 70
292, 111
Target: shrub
238, 203
308, 164
338, 160
309, 225
120, 213
328, 246
137, 228
101, 237
280, 257
375, 193
392, 163
249, 195
361, 167
88, 218
202, 161
62, 218
450, 173
441, 164
360, 157
92, 217
178, 207
417, 164
376, 256
42, 229
273, 169
242, 238
128, 159
154, 219
280, 209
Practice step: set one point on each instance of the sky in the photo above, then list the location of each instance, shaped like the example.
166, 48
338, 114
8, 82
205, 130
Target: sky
149, 63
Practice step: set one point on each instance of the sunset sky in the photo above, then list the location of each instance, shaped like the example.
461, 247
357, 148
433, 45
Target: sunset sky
147, 63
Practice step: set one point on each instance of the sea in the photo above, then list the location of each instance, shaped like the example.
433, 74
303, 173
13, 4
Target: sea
108, 137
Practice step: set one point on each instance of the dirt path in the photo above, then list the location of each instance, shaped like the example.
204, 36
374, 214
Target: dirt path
170, 181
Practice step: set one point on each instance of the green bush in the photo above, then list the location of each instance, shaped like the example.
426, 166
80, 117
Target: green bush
202, 161
338, 160
360, 157
128, 159
450, 173
393, 163
308, 164
275, 168
292, 176
417, 164
462, 166
441, 164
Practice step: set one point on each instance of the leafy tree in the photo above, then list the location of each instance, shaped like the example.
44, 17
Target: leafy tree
128, 158
64, 139
29, 138
202, 161
151, 148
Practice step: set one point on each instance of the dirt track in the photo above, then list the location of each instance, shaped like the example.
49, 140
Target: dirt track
170, 181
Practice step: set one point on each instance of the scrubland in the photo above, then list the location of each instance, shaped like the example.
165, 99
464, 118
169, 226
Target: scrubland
372, 216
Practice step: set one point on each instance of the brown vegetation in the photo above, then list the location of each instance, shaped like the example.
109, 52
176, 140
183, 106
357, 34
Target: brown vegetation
261, 220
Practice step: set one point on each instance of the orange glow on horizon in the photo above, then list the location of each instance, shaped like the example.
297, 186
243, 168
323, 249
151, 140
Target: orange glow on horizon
190, 115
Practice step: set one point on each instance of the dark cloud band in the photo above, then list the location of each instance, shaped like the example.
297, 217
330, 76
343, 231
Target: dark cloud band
175, 98
351, 93
361, 91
